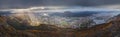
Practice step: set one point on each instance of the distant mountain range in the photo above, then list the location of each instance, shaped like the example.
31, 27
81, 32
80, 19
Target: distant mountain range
75, 14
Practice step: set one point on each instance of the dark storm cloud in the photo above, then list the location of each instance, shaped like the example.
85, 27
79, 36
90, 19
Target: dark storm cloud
29, 3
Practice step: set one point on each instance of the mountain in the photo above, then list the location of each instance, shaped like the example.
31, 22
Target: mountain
108, 29
74, 14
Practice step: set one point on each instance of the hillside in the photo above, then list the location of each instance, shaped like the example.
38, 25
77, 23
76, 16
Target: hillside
110, 29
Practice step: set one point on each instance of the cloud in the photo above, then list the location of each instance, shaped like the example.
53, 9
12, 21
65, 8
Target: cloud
31, 3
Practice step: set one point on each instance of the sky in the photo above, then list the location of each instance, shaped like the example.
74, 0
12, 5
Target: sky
30, 3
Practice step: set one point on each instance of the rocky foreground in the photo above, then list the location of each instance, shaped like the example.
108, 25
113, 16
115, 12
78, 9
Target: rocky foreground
110, 29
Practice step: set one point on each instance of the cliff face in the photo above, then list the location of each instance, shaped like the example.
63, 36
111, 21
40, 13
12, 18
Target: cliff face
110, 29
8, 31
